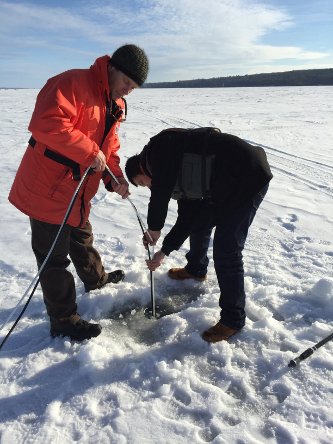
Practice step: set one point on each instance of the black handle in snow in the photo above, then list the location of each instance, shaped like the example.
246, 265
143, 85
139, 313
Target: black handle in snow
308, 352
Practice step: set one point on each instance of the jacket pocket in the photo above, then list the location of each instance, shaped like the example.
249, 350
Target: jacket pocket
66, 174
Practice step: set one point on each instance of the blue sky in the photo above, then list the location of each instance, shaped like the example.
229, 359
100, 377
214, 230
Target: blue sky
184, 39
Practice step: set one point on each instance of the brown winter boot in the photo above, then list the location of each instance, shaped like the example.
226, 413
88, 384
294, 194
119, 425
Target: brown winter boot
74, 327
181, 274
113, 277
218, 332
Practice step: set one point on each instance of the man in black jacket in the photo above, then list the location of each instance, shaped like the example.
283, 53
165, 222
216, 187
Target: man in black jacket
219, 181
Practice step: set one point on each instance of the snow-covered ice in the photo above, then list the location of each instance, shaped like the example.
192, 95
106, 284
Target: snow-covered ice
156, 381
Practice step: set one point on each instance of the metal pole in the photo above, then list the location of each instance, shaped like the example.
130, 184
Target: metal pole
152, 292
144, 230
308, 352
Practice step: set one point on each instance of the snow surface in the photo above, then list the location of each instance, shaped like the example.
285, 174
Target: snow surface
156, 381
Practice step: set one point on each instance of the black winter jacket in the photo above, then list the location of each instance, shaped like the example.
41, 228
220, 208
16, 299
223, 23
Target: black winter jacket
240, 171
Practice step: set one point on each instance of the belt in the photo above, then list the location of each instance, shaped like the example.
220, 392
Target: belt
59, 158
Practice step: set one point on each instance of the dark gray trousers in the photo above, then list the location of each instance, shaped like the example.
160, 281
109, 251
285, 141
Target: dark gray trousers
56, 281
228, 244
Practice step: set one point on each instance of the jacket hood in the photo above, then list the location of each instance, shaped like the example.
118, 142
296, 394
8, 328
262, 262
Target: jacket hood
100, 71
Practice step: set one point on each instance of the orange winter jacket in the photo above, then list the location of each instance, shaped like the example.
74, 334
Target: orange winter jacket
68, 120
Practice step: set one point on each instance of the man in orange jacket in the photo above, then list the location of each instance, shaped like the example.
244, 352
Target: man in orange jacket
74, 125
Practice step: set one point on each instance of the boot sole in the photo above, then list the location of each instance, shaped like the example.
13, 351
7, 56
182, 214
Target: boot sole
177, 278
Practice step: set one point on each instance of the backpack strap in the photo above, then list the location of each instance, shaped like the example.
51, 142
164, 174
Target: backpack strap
196, 170
205, 187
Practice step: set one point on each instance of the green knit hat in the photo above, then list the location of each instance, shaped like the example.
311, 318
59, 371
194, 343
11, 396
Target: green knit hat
132, 61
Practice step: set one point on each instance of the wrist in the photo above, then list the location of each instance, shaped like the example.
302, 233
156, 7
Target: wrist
165, 252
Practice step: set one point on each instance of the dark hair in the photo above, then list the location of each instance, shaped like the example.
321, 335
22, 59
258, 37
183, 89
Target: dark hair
132, 168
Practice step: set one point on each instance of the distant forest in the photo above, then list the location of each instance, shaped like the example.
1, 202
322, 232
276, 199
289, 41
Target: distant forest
304, 77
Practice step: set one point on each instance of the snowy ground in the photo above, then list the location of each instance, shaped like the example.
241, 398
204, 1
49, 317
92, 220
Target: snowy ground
156, 381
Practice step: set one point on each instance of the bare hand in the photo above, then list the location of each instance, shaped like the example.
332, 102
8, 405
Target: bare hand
121, 188
150, 237
156, 261
99, 162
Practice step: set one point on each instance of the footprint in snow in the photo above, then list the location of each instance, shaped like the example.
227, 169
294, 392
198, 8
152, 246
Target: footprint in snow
288, 222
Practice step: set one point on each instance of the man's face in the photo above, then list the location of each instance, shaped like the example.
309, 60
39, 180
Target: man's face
120, 84
142, 180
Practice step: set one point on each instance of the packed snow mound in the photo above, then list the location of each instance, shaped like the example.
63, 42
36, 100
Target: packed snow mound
322, 291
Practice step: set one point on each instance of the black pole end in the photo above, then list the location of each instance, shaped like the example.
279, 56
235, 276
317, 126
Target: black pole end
292, 363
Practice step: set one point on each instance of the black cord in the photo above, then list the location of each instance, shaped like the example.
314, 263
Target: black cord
70, 207
20, 315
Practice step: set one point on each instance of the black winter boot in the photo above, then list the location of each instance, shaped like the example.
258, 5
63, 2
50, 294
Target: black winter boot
112, 278
74, 327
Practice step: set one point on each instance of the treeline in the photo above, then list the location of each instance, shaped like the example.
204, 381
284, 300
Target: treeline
304, 77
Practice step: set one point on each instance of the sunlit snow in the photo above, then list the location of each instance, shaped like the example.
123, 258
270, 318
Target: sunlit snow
156, 381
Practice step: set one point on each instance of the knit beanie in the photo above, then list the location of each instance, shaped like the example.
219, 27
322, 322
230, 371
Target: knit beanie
132, 61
